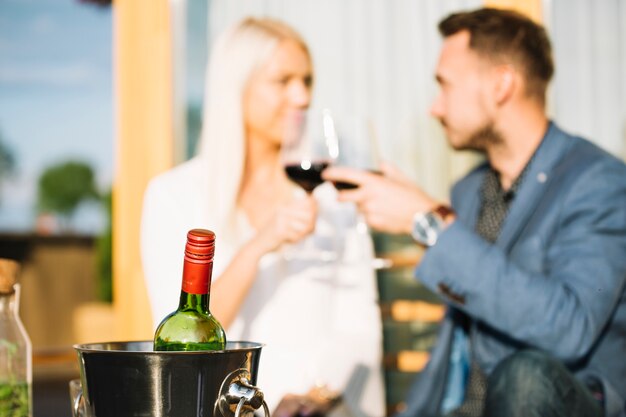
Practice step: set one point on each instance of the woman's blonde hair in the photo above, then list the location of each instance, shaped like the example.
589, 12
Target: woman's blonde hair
236, 56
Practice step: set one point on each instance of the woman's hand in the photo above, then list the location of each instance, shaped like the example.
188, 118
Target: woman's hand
315, 403
291, 222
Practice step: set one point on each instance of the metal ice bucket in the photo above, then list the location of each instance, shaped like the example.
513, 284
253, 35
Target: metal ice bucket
129, 379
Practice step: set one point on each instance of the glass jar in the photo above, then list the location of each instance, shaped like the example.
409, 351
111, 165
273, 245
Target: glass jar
15, 348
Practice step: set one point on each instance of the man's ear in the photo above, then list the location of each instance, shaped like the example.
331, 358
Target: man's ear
506, 83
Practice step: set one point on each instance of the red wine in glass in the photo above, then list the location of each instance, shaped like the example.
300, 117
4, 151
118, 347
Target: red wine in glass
343, 185
306, 175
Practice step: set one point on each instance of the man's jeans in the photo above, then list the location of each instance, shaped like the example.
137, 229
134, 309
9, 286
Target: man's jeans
532, 384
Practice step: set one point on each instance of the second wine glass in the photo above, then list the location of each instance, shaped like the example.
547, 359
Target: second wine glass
357, 147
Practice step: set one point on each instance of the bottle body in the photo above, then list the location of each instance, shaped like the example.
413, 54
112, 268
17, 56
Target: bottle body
15, 359
192, 326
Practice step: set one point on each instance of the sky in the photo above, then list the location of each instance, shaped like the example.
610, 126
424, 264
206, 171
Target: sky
55, 99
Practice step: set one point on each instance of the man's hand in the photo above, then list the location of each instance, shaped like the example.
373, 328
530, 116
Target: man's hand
388, 200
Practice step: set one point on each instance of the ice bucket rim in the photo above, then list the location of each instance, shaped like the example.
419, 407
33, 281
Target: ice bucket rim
115, 347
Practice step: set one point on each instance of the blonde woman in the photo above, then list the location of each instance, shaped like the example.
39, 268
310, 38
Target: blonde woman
319, 320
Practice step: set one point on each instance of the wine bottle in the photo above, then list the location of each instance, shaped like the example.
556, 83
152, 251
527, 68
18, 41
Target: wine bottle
191, 326
15, 349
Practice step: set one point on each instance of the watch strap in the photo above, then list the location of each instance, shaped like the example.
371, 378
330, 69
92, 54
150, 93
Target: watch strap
427, 226
444, 212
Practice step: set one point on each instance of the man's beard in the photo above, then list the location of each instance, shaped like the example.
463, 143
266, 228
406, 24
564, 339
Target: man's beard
482, 138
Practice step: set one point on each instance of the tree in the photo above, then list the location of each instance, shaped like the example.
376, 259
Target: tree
104, 246
194, 127
63, 187
7, 161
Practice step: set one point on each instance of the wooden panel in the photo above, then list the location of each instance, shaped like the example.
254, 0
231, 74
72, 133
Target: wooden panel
399, 384
407, 310
416, 335
402, 285
58, 274
532, 8
411, 314
406, 361
144, 145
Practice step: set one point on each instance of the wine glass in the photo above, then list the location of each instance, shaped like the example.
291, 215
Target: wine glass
358, 147
309, 146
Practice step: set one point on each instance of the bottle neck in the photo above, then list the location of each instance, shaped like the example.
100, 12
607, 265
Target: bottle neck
197, 302
8, 304
196, 286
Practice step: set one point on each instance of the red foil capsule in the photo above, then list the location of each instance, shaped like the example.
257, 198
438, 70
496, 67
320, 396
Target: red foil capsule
198, 263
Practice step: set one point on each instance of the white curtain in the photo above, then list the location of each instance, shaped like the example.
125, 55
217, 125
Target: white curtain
589, 90
373, 59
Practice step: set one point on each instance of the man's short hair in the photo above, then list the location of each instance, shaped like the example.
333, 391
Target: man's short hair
505, 36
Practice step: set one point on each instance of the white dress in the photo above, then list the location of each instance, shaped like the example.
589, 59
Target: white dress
319, 320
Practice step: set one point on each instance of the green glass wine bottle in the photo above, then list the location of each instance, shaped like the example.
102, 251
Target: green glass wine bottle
191, 326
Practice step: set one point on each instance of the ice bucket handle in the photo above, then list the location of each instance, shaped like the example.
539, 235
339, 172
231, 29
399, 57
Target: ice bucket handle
239, 398
77, 402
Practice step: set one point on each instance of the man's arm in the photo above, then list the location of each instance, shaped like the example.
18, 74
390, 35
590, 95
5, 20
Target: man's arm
560, 286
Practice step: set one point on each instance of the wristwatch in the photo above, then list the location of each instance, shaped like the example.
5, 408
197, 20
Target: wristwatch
427, 226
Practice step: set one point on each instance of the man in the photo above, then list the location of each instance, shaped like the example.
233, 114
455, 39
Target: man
531, 257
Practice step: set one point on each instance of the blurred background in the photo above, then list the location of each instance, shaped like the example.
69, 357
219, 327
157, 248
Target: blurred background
97, 97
